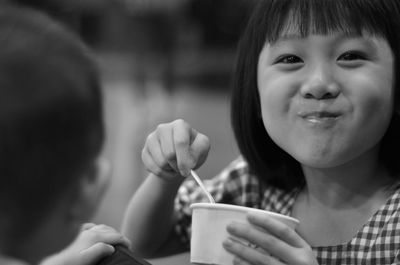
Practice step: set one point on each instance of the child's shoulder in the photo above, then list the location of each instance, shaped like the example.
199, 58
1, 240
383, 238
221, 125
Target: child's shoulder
237, 168
238, 175
239, 171
394, 200
248, 189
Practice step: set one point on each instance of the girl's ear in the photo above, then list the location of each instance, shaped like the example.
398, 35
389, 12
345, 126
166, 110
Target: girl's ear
90, 191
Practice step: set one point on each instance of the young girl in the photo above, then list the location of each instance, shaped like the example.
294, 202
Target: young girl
314, 111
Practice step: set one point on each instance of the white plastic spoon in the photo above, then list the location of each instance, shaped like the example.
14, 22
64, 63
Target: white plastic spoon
198, 180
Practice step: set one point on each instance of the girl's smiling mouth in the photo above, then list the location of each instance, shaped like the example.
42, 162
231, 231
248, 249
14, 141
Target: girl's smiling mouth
324, 118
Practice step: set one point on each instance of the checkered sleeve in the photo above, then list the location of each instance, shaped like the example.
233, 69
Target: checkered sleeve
234, 185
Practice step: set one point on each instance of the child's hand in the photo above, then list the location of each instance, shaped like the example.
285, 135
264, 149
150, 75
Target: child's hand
92, 244
173, 149
271, 242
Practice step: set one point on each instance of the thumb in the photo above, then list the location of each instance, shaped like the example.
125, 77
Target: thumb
199, 149
95, 253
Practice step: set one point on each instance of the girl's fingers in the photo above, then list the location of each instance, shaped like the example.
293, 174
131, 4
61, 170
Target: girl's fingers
148, 161
87, 226
95, 253
153, 147
249, 255
116, 239
182, 138
108, 235
262, 239
166, 140
278, 229
174, 148
200, 148
154, 168
239, 261
191, 148
274, 237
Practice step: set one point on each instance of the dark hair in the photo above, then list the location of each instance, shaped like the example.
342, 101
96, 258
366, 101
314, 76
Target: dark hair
51, 127
268, 21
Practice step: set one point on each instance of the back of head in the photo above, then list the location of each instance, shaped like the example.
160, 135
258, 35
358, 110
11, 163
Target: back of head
51, 127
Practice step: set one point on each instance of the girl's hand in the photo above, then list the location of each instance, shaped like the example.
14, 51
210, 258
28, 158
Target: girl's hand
271, 242
173, 149
92, 244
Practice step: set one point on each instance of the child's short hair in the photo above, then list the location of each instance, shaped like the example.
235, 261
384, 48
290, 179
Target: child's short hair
268, 21
51, 127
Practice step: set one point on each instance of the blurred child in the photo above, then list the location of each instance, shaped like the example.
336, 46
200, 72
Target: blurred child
315, 112
51, 136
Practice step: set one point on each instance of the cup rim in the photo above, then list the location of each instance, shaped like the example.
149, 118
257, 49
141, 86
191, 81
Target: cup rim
240, 208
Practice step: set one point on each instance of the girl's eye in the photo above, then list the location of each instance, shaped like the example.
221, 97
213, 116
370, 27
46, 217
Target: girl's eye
289, 59
351, 56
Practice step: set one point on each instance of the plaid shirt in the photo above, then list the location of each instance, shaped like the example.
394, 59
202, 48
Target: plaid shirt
376, 243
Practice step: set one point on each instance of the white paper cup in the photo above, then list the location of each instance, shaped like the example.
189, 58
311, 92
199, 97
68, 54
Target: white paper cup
209, 222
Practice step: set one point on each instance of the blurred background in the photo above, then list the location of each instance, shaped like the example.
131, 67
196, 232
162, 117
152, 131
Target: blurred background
160, 60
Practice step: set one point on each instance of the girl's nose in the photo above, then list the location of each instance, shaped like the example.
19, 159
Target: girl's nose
320, 85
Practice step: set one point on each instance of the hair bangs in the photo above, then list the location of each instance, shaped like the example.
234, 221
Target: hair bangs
324, 17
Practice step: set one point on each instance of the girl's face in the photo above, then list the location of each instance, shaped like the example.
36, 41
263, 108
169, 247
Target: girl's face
326, 99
